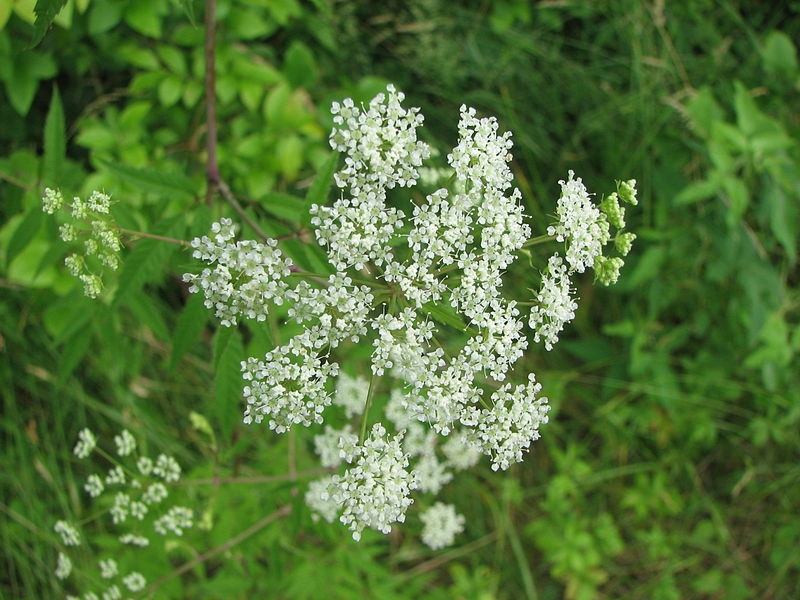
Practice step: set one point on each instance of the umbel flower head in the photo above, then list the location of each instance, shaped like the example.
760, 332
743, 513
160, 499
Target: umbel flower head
404, 280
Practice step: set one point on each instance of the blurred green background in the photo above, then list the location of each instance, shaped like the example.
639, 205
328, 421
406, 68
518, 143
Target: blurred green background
670, 467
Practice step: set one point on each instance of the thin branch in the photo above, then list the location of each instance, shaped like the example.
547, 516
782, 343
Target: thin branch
234, 541
213, 176
254, 479
212, 168
435, 563
153, 236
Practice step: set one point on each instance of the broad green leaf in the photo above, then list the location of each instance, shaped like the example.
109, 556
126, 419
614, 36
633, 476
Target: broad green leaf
228, 383
73, 351
46, 11
737, 194
284, 206
170, 90
55, 144
24, 233
152, 180
783, 218
299, 65
321, 187
697, 191
104, 15
147, 313
445, 315
779, 55
290, 155
189, 326
703, 111
144, 17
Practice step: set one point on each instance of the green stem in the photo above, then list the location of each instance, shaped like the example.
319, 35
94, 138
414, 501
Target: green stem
153, 236
542, 239
373, 384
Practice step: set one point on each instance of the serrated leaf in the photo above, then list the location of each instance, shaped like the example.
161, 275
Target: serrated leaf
146, 312
445, 315
189, 326
24, 233
321, 187
45, 11
55, 142
73, 352
783, 219
152, 180
228, 382
144, 263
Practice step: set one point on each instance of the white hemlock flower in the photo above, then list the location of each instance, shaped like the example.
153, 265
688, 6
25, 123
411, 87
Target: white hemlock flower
86, 443
125, 443
335, 445
69, 535
320, 501
441, 525
244, 276
63, 566
580, 224
376, 491
555, 304
351, 393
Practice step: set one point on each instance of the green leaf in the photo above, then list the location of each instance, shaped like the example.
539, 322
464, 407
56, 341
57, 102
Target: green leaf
737, 194
55, 143
73, 351
779, 55
170, 90
144, 17
46, 11
147, 313
189, 326
299, 65
319, 190
783, 219
445, 314
104, 15
152, 180
697, 191
145, 263
284, 206
24, 233
228, 382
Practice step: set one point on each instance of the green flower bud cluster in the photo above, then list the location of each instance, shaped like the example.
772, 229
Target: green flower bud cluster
607, 268
87, 221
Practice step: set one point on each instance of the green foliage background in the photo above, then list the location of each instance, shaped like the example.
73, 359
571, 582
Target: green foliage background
670, 466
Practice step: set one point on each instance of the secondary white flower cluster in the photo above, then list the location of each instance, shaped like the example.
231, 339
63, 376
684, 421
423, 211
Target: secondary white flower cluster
244, 278
88, 221
375, 490
136, 489
585, 229
441, 524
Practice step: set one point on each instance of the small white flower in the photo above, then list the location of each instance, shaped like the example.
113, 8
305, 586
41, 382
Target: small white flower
125, 443
155, 493
167, 468
108, 568
431, 474
52, 200
121, 508
134, 581
145, 465
112, 593
351, 394
319, 500
69, 535
116, 476
460, 452
334, 445
134, 540
64, 566
94, 486
86, 443
441, 525
175, 521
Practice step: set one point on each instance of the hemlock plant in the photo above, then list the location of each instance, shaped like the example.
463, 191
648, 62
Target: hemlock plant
398, 278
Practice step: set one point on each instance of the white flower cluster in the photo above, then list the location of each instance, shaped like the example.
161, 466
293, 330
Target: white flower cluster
137, 503
555, 304
585, 228
375, 491
441, 524
244, 277
88, 220
443, 264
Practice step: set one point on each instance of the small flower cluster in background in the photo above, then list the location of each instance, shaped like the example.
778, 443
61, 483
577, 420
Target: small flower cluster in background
133, 498
87, 221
